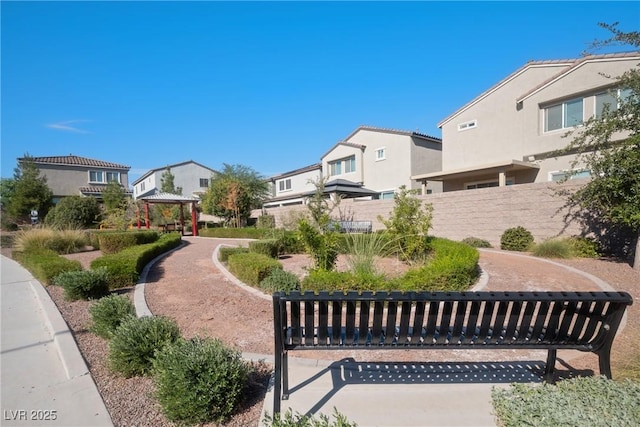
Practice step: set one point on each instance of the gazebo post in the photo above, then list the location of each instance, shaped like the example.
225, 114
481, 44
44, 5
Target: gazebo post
138, 215
182, 218
146, 214
194, 220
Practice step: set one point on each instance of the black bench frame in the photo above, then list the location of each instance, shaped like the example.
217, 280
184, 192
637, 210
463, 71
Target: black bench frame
585, 321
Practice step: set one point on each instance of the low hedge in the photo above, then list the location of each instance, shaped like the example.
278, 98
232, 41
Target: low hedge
234, 233
46, 264
113, 242
342, 281
268, 247
225, 252
83, 285
125, 266
252, 268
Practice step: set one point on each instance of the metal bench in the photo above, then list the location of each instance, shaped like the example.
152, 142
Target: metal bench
584, 321
354, 226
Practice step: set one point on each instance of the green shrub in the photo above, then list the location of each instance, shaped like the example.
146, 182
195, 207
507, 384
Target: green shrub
453, 267
252, 268
226, 252
74, 212
268, 247
133, 347
476, 242
584, 247
362, 250
200, 380
46, 264
322, 245
109, 312
234, 233
288, 241
113, 242
553, 248
86, 284
516, 239
280, 280
266, 221
289, 419
341, 281
125, 266
584, 401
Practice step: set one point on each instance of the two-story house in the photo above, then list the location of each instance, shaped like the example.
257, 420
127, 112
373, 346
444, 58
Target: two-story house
369, 163
510, 133
192, 177
74, 175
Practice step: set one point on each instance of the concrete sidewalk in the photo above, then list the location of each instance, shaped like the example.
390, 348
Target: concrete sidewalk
45, 380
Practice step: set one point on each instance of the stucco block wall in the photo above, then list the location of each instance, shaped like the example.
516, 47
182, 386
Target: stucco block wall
483, 213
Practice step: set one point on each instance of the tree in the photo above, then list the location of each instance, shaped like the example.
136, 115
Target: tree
167, 212
233, 192
74, 212
30, 192
609, 146
114, 196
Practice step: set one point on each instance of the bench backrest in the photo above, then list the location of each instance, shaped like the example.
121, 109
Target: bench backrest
581, 320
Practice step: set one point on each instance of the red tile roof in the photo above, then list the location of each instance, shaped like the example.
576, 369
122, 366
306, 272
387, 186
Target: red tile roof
72, 160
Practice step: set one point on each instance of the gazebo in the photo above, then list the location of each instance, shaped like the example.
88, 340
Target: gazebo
172, 199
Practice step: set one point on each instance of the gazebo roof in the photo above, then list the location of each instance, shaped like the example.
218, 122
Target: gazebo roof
169, 198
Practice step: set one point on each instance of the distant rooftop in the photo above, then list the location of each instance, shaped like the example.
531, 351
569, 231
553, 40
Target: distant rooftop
72, 160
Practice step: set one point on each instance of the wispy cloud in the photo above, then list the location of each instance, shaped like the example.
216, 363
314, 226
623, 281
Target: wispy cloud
68, 126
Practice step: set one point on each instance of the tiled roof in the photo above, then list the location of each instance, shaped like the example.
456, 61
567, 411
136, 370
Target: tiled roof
397, 131
97, 190
169, 198
315, 166
566, 64
72, 160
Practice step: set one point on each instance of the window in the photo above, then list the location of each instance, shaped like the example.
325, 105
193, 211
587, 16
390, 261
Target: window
486, 184
142, 186
381, 154
565, 115
611, 100
204, 183
565, 175
467, 125
385, 195
96, 176
347, 165
113, 176
284, 185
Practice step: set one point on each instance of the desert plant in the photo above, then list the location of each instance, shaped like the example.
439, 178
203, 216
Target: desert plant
584, 247
85, 284
362, 250
476, 242
516, 239
321, 244
280, 280
553, 248
60, 241
289, 419
199, 380
582, 401
136, 341
109, 312
408, 224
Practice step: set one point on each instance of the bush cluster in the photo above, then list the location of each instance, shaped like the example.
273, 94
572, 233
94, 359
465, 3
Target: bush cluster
85, 284
199, 380
252, 268
583, 401
343, 281
280, 281
268, 247
125, 266
516, 239
476, 242
234, 233
113, 242
136, 342
46, 264
584, 247
109, 312
553, 248
74, 212
226, 252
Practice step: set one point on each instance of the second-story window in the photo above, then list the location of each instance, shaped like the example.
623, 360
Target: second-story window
346, 165
113, 176
565, 115
284, 185
610, 100
381, 154
96, 176
204, 183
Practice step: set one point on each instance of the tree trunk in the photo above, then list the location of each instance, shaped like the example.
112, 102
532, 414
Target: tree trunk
636, 259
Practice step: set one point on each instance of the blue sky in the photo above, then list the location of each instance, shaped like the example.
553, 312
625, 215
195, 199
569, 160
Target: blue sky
270, 85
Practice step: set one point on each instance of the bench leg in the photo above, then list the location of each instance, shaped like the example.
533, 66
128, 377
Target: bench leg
285, 376
277, 384
604, 362
551, 364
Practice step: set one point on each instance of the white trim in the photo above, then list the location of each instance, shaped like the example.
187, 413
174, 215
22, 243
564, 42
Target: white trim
471, 124
384, 154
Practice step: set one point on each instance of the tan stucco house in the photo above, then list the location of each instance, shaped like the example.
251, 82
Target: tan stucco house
508, 134
74, 175
194, 179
